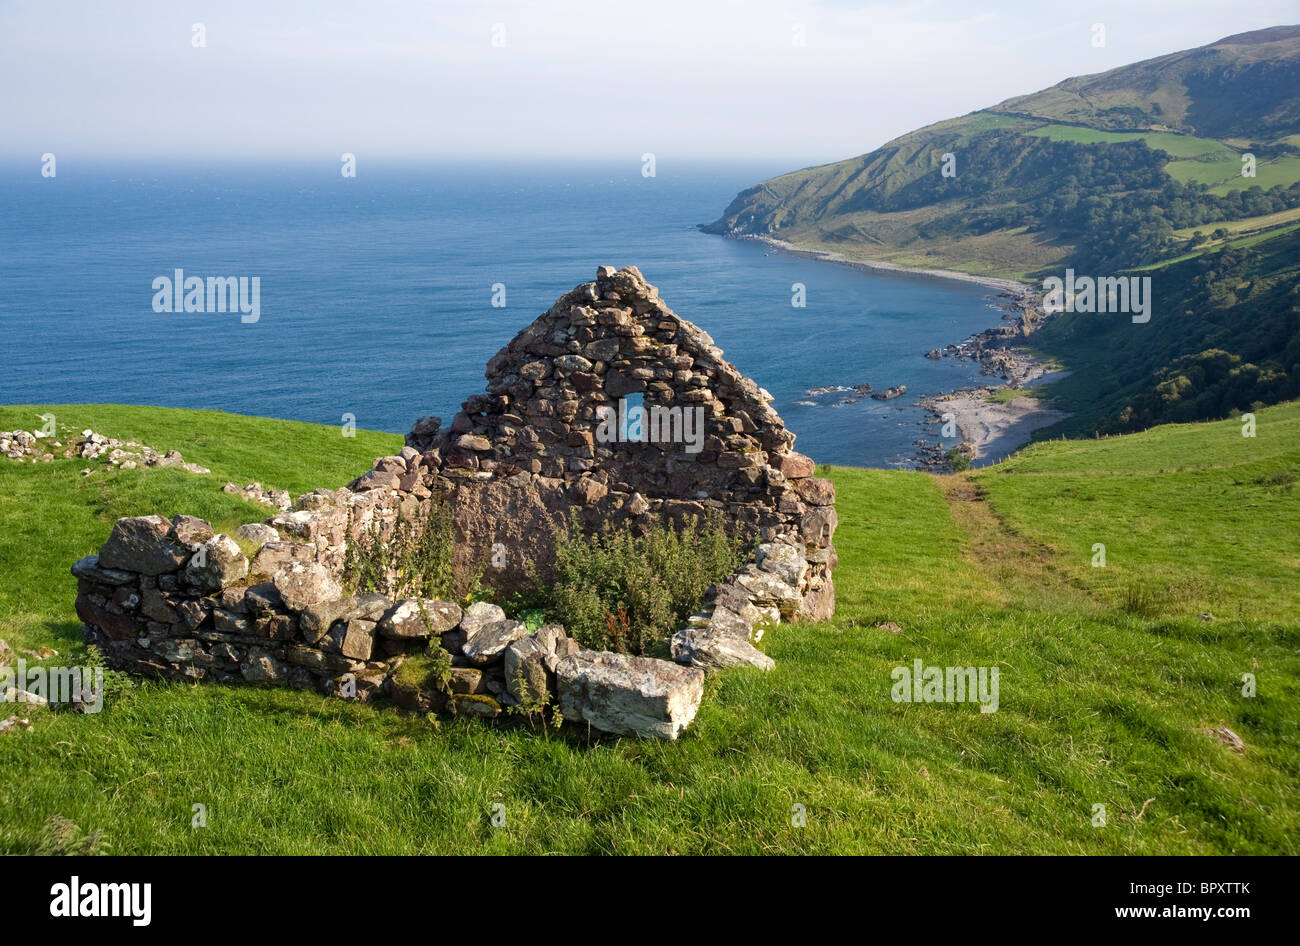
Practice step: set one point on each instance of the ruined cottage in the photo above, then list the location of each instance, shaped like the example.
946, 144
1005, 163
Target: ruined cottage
609, 408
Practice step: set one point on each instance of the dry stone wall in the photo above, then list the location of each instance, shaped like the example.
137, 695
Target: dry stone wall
171, 598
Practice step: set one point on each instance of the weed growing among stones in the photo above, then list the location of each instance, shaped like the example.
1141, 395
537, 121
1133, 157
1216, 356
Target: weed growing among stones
628, 593
414, 560
537, 708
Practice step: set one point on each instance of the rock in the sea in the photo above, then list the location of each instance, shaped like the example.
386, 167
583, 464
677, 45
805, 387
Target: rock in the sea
303, 584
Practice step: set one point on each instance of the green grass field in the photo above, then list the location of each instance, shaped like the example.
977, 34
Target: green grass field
1204, 160
1284, 170
1110, 677
1178, 146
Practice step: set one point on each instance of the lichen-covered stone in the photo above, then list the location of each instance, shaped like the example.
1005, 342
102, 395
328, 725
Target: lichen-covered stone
474, 704
316, 619
786, 562
90, 569
479, 615
527, 679
420, 618
274, 555
303, 584
218, 562
261, 666
142, 544
358, 639
717, 651
257, 532
617, 693
489, 642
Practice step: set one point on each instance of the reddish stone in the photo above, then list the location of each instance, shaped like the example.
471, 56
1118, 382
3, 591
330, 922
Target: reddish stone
793, 465
815, 491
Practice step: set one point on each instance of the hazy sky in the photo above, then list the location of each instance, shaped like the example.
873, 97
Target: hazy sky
680, 78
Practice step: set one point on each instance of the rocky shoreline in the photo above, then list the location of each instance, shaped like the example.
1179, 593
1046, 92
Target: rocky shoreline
988, 430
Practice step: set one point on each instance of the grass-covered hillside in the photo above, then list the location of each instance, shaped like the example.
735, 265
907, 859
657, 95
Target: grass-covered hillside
1129, 167
1224, 335
1110, 678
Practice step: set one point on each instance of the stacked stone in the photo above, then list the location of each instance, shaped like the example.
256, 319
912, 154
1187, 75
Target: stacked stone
517, 460
256, 493
495, 661
126, 454
775, 585
603, 341
173, 599
21, 444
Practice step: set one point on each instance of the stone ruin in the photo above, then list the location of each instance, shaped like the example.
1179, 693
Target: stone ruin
609, 408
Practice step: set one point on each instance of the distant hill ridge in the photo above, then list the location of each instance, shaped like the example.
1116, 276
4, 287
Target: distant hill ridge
1103, 170
1247, 85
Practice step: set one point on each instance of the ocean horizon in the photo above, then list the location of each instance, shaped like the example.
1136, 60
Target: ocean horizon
376, 293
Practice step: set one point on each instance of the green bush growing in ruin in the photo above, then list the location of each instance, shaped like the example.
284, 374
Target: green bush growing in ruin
413, 560
630, 592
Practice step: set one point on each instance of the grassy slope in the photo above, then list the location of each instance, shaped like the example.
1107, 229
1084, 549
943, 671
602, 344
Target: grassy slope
1099, 705
1114, 363
1195, 105
1194, 517
1006, 253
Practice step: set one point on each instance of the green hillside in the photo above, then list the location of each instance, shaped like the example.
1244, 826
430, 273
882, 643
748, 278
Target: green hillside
1213, 91
1098, 171
1224, 336
1111, 678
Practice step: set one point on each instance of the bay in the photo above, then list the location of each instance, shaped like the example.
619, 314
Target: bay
376, 292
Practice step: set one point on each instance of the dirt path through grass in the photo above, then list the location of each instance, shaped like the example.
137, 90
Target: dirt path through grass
1017, 565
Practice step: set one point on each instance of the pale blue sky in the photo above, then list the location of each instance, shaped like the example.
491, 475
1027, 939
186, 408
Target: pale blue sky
684, 79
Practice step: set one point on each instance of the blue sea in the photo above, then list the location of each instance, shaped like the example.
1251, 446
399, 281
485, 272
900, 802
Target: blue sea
376, 291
